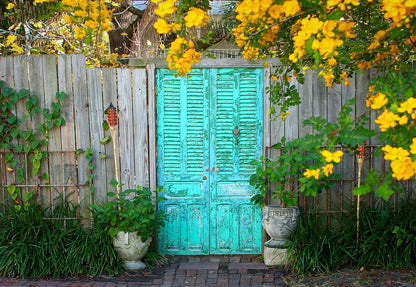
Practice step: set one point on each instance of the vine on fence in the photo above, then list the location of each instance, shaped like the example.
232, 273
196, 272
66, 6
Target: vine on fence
16, 139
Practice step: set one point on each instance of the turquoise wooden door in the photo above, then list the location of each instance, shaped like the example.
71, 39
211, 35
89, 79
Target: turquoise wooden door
209, 129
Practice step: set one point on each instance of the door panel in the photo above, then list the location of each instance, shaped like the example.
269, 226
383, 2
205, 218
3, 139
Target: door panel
183, 152
236, 104
204, 170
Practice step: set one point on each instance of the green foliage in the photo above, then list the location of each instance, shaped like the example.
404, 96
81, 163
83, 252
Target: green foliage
286, 173
133, 210
387, 240
35, 245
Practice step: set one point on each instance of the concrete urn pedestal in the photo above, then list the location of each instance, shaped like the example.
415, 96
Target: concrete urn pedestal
278, 222
131, 249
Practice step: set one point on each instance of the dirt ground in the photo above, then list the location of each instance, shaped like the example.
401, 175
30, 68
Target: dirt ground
355, 278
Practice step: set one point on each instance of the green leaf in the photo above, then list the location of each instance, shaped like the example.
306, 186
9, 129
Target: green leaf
11, 189
111, 194
78, 151
106, 126
60, 95
112, 231
102, 155
23, 93
28, 196
14, 133
20, 176
105, 140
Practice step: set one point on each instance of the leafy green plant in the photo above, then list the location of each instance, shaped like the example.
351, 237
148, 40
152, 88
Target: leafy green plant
34, 244
132, 210
288, 173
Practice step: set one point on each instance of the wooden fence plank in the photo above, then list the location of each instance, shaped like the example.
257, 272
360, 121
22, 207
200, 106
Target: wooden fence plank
109, 96
320, 109
347, 165
96, 119
125, 128
141, 141
56, 166
22, 82
69, 180
151, 84
334, 107
7, 75
82, 135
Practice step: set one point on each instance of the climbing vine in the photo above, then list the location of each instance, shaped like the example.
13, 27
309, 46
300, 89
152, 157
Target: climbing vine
15, 139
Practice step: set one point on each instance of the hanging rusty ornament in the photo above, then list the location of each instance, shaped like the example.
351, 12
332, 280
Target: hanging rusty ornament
112, 115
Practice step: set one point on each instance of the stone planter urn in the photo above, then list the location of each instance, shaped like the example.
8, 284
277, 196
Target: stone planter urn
131, 249
278, 222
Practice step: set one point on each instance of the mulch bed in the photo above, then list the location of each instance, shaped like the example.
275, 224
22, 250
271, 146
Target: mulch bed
355, 278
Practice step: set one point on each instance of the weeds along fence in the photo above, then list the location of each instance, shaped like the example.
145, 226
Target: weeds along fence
88, 93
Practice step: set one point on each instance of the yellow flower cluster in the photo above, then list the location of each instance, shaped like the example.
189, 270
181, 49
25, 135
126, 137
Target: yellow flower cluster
402, 165
93, 14
327, 169
326, 35
269, 15
182, 55
399, 11
389, 119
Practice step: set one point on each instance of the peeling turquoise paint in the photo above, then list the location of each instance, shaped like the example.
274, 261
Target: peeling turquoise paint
204, 172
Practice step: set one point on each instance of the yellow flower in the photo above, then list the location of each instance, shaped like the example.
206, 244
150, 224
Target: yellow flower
91, 24
11, 6
195, 17
161, 26
291, 7
413, 146
327, 169
335, 156
403, 169
407, 106
79, 32
332, 61
10, 40
80, 13
387, 120
394, 153
166, 8
403, 120
312, 173
379, 101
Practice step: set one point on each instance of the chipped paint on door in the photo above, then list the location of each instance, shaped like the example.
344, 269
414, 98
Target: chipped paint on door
209, 130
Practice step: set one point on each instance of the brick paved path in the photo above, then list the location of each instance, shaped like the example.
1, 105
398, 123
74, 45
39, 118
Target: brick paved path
180, 271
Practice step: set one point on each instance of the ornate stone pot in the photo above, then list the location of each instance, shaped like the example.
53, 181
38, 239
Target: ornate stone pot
131, 249
279, 223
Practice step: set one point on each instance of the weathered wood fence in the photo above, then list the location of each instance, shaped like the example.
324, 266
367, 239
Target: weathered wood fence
90, 92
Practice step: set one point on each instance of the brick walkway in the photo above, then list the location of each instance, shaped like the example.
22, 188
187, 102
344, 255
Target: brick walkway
180, 271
